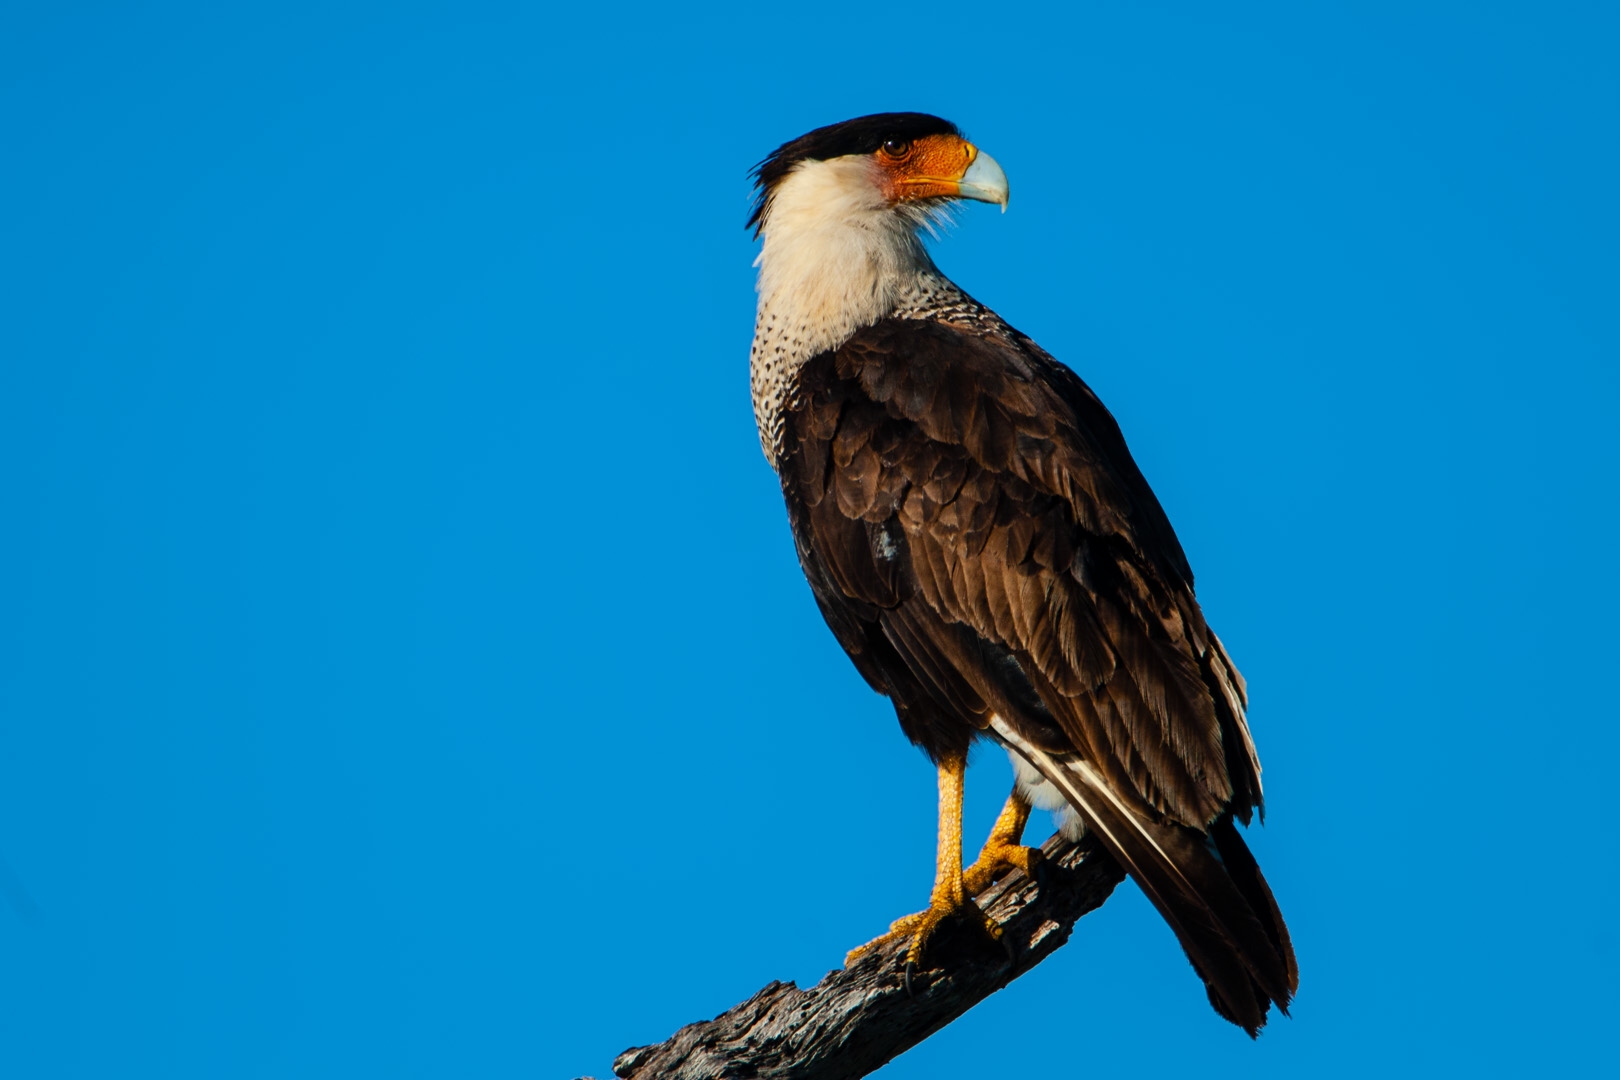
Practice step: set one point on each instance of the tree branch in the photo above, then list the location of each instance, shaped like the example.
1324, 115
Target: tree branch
854, 1021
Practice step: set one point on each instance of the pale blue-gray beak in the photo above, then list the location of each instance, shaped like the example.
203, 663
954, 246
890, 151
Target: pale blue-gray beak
984, 181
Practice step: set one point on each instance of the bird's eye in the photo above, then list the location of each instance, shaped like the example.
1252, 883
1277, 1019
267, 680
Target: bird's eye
897, 148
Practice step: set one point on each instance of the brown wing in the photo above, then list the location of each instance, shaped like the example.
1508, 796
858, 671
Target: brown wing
981, 541
984, 547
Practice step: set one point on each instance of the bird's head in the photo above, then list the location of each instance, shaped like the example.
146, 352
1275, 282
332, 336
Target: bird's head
841, 211
890, 169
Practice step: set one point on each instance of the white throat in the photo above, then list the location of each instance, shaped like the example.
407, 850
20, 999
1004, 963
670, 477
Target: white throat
837, 257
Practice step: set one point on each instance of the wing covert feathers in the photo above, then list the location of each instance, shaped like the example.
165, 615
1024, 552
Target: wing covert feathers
985, 548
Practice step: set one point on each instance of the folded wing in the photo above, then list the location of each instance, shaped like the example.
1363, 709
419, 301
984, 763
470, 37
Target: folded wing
987, 551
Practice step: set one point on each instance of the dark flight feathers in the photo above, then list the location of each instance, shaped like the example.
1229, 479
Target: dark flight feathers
982, 544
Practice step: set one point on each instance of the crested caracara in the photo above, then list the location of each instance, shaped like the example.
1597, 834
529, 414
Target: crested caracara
985, 549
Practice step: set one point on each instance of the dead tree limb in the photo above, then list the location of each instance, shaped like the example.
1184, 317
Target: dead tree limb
852, 1022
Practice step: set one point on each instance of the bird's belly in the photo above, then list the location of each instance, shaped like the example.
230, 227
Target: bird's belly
1044, 795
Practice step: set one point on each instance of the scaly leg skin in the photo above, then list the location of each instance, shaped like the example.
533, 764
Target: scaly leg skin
1003, 852
949, 895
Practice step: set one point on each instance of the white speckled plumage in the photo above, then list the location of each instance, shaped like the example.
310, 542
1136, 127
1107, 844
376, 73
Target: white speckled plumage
838, 256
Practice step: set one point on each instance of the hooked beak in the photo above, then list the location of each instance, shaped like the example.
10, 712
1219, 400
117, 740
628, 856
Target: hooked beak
946, 167
984, 181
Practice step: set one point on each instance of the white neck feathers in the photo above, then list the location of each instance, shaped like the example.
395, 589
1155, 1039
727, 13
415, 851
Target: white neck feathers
837, 257
837, 254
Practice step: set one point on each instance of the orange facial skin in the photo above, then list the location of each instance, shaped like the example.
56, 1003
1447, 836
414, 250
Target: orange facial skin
929, 168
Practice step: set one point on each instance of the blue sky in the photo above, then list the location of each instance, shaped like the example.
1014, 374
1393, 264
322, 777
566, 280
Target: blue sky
402, 635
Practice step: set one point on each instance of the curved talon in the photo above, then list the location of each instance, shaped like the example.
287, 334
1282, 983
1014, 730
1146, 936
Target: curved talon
954, 887
920, 927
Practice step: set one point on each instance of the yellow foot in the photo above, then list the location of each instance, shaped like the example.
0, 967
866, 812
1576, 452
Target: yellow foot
997, 859
954, 888
920, 927
1002, 851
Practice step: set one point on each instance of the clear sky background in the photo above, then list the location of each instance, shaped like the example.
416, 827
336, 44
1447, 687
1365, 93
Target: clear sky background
404, 667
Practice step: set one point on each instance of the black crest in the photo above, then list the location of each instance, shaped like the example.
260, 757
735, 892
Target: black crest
862, 135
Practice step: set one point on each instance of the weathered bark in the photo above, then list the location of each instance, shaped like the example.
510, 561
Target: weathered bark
854, 1021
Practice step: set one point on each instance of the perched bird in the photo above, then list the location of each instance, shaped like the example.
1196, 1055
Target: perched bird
984, 547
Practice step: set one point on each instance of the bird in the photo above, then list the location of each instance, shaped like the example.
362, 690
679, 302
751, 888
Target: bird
984, 547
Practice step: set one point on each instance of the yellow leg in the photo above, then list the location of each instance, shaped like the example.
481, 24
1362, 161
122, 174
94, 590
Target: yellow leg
949, 895
1002, 851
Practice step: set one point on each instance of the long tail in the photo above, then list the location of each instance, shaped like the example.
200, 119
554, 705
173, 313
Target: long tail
1207, 887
